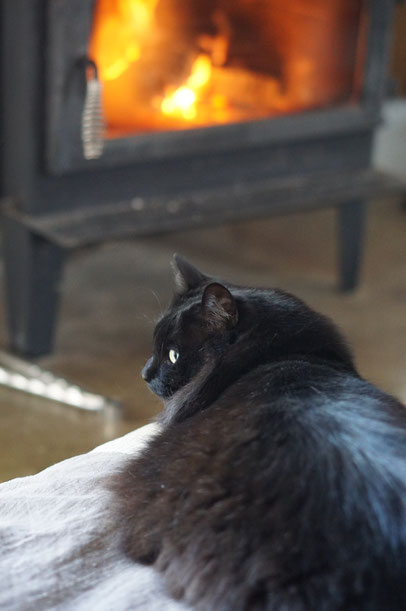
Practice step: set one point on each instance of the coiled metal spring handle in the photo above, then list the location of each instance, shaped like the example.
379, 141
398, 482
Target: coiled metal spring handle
92, 117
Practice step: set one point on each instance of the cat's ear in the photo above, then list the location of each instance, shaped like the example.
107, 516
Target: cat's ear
219, 308
187, 277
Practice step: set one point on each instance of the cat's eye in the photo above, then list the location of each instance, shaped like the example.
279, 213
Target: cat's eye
173, 355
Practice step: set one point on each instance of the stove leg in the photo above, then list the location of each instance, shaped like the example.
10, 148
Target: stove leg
33, 268
351, 225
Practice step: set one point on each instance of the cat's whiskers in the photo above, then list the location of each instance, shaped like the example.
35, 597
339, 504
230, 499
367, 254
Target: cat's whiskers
161, 308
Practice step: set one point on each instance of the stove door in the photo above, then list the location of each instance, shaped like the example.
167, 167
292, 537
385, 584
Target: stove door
132, 80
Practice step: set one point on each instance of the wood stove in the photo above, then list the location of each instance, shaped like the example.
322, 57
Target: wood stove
133, 117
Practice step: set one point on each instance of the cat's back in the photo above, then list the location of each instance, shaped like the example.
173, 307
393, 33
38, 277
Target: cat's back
311, 398
293, 420
296, 475
308, 416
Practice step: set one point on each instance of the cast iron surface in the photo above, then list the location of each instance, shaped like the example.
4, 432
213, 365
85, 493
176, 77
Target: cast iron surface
44, 167
152, 215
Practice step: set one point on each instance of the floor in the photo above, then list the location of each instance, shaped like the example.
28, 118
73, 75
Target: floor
110, 297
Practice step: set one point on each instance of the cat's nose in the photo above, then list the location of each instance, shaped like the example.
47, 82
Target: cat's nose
148, 370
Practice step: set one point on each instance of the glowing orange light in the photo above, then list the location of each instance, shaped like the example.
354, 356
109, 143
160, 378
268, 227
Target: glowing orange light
183, 100
119, 28
162, 68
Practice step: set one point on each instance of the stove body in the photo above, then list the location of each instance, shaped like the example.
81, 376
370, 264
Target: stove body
169, 176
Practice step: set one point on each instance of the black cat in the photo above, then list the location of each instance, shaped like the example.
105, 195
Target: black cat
278, 481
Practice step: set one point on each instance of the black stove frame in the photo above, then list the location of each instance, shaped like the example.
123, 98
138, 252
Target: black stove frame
57, 200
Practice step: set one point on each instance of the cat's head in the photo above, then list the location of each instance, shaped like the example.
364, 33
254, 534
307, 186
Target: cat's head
195, 330
211, 327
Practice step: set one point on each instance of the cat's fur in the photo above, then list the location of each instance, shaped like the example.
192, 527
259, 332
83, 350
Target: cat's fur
278, 481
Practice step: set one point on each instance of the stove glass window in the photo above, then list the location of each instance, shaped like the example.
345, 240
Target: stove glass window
181, 64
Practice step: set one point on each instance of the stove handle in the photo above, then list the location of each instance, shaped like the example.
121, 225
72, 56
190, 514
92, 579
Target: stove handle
92, 128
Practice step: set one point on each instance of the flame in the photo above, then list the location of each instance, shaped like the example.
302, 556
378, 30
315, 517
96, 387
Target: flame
182, 102
142, 49
119, 28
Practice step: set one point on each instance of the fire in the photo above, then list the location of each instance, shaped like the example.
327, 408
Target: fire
182, 101
118, 30
162, 68
128, 44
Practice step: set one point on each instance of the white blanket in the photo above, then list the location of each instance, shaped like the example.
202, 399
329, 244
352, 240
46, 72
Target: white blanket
58, 546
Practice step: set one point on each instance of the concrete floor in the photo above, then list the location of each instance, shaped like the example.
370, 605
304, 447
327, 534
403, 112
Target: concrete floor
111, 296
